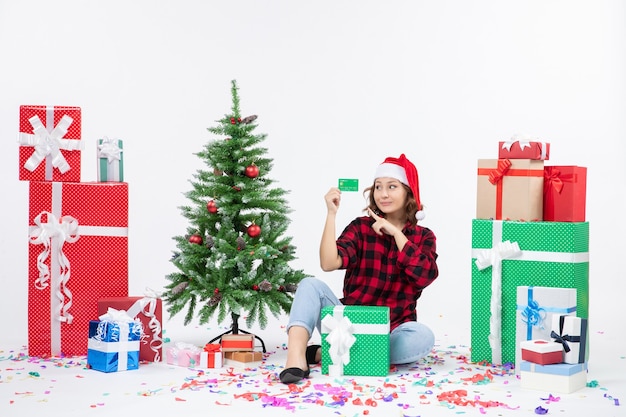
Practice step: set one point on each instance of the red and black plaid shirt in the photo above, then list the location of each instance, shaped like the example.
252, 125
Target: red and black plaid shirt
378, 274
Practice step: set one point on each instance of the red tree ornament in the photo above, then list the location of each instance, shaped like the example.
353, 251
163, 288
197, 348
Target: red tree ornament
252, 171
254, 230
255, 287
196, 239
211, 206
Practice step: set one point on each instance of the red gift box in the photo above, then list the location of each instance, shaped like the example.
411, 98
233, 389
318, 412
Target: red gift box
524, 149
564, 193
510, 189
235, 342
542, 352
211, 356
149, 310
78, 254
50, 145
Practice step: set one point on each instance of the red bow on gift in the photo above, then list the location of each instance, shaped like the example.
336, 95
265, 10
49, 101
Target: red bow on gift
497, 174
552, 178
212, 347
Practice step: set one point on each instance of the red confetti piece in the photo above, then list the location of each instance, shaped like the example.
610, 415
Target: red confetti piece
179, 399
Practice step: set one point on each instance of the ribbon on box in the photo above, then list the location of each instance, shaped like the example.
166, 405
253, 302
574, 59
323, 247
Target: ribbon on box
340, 337
120, 334
52, 234
139, 307
190, 350
48, 141
493, 257
211, 356
110, 156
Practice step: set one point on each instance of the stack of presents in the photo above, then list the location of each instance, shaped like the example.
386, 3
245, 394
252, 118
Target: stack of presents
530, 267
78, 301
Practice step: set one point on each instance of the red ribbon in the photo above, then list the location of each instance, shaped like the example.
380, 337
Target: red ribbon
212, 347
552, 177
497, 174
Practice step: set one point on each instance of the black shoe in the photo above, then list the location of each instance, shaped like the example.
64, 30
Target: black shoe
311, 351
293, 375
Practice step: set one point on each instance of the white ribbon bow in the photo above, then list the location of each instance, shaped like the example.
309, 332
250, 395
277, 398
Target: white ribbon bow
341, 339
52, 234
139, 307
110, 149
493, 257
121, 330
48, 143
524, 141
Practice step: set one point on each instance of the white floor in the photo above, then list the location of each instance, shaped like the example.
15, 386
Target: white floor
65, 387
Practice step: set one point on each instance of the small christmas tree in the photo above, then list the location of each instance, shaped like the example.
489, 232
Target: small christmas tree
234, 258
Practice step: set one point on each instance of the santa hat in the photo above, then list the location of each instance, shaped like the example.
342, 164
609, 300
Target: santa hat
404, 171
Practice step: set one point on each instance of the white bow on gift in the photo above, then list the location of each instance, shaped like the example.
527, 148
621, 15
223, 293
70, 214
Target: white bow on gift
341, 338
52, 234
139, 307
110, 149
120, 334
493, 257
48, 143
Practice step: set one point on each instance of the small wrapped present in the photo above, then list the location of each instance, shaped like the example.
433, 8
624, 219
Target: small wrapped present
564, 193
113, 343
571, 332
563, 378
509, 189
110, 160
535, 308
244, 359
542, 352
50, 143
524, 147
183, 354
355, 340
211, 356
148, 309
237, 342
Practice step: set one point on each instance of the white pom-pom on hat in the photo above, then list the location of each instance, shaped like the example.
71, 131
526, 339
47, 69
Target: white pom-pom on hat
404, 171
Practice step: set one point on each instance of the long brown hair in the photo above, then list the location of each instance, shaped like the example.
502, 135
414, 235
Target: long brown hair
410, 205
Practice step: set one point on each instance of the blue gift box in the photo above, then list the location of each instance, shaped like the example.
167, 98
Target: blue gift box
113, 346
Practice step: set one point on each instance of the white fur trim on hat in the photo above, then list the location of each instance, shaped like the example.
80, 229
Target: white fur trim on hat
391, 171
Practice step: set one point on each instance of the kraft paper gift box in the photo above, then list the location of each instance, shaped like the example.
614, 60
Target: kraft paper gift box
110, 160
564, 193
78, 254
524, 149
509, 189
237, 342
50, 143
149, 310
535, 308
114, 342
355, 340
563, 378
573, 335
243, 359
542, 352
509, 254
183, 354
211, 356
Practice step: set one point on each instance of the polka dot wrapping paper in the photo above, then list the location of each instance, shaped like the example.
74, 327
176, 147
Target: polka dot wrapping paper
50, 143
369, 352
550, 254
78, 254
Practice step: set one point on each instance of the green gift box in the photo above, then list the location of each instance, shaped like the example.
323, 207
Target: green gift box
110, 160
355, 340
508, 254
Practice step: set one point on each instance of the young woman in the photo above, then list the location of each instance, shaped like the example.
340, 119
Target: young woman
388, 258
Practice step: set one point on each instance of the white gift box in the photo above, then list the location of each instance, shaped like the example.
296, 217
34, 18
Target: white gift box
572, 333
563, 378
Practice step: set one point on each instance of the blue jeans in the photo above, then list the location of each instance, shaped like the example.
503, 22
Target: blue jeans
409, 342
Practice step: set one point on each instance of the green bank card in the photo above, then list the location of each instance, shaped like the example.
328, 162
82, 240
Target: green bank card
348, 184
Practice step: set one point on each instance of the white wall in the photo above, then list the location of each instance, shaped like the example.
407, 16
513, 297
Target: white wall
338, 86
